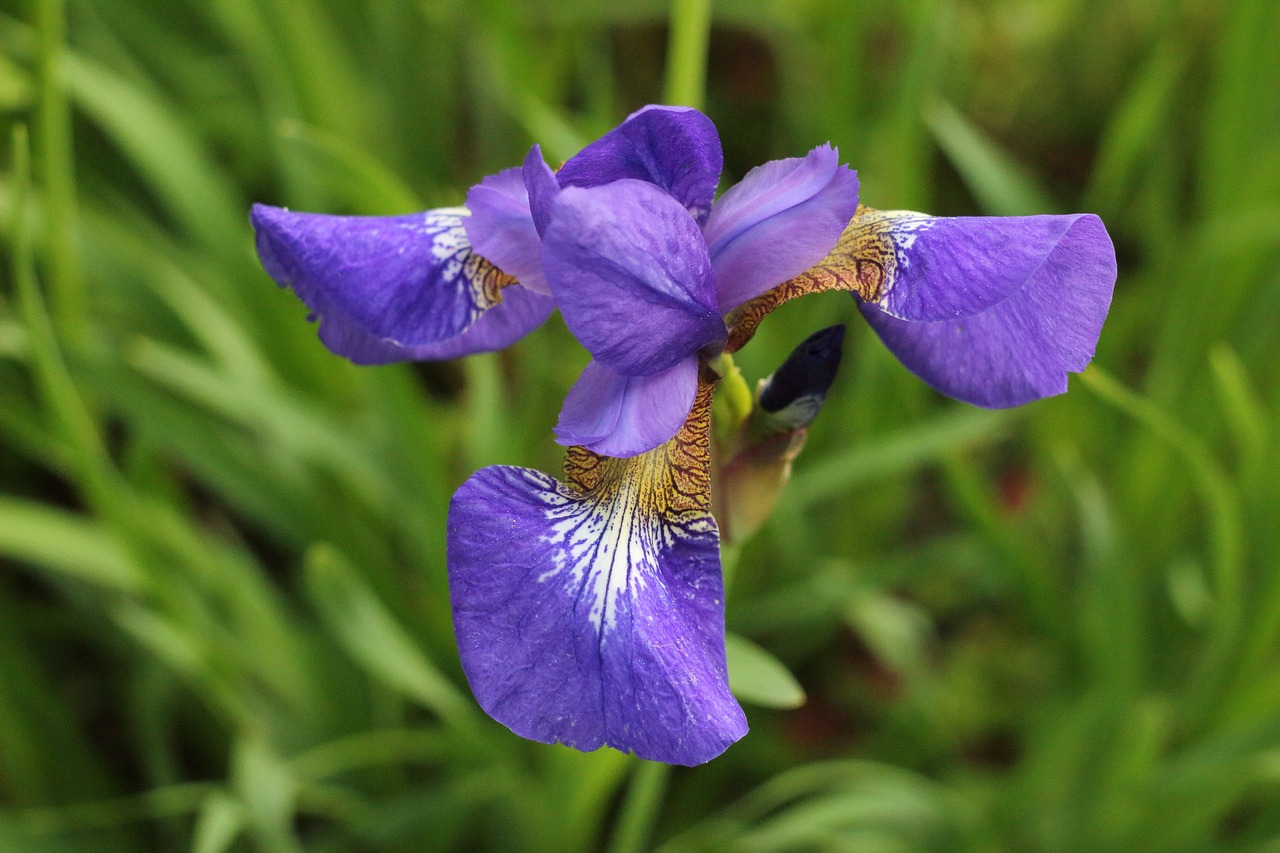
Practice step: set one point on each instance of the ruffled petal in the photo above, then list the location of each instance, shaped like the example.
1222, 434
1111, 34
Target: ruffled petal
593, 614
630, 273
501, 228
676, 148
1040, 319
780, 220
410, 280
520, 312
623, 416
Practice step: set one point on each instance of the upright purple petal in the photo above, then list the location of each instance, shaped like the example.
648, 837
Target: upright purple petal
540, 182
630, 273
623, 416
1030, 295
780, 220
676, 148
593, 614
519, 312
409, 280
501, 228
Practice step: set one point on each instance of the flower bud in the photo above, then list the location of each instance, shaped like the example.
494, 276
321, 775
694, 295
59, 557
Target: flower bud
774, 433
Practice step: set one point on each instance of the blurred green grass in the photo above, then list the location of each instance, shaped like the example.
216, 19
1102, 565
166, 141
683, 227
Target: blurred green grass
223, 612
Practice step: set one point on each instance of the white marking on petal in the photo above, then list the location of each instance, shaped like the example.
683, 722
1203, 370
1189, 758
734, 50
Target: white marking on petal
451, 249
604, 549
904, 227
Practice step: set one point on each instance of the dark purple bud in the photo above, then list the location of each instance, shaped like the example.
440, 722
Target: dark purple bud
792, 396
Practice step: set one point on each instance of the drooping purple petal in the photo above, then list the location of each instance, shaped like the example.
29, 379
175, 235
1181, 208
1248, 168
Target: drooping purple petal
520, 312
676, 148
780, 220
592, 618
1039, 311
410, 280
501, 228
631, 276
623, 416
943, 268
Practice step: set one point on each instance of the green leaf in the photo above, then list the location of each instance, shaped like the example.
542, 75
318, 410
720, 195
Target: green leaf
895, 454
371, 635
268, 792
371, 187
220, 822
67, 544
896, 631
1002, 186
758, 677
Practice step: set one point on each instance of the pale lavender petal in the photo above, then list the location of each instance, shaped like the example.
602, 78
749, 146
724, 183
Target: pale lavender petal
591, 619
676, 148
779, 221
623, 416
540, 182
501, 228
519, 312
1015, 349
630, 274
410, 280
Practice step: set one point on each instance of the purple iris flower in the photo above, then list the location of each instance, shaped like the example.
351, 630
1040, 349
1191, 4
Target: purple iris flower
644, 267
591, 612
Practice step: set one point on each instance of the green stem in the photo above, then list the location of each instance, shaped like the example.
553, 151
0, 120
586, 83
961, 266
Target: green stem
53, 149
484, 409
62, 399
687, 52
640, 808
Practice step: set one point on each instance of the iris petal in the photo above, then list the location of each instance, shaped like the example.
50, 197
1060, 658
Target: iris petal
944, 268
501, 228
623, 416
676, 148
409, 280
993, 311
780, 220
630, 273
520, 312
540, 183
1015, 349
593, 614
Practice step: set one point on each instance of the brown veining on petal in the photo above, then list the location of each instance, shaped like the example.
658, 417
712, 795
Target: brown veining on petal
486, 280
863, 261
672, 479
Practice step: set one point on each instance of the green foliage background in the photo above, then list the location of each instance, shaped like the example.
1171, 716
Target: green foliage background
223, 611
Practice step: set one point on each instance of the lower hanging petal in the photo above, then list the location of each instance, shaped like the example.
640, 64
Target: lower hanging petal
1036, 318
520, 312
408, 280
994, 311
925, 268
1014, 353
592, 614
945, 268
